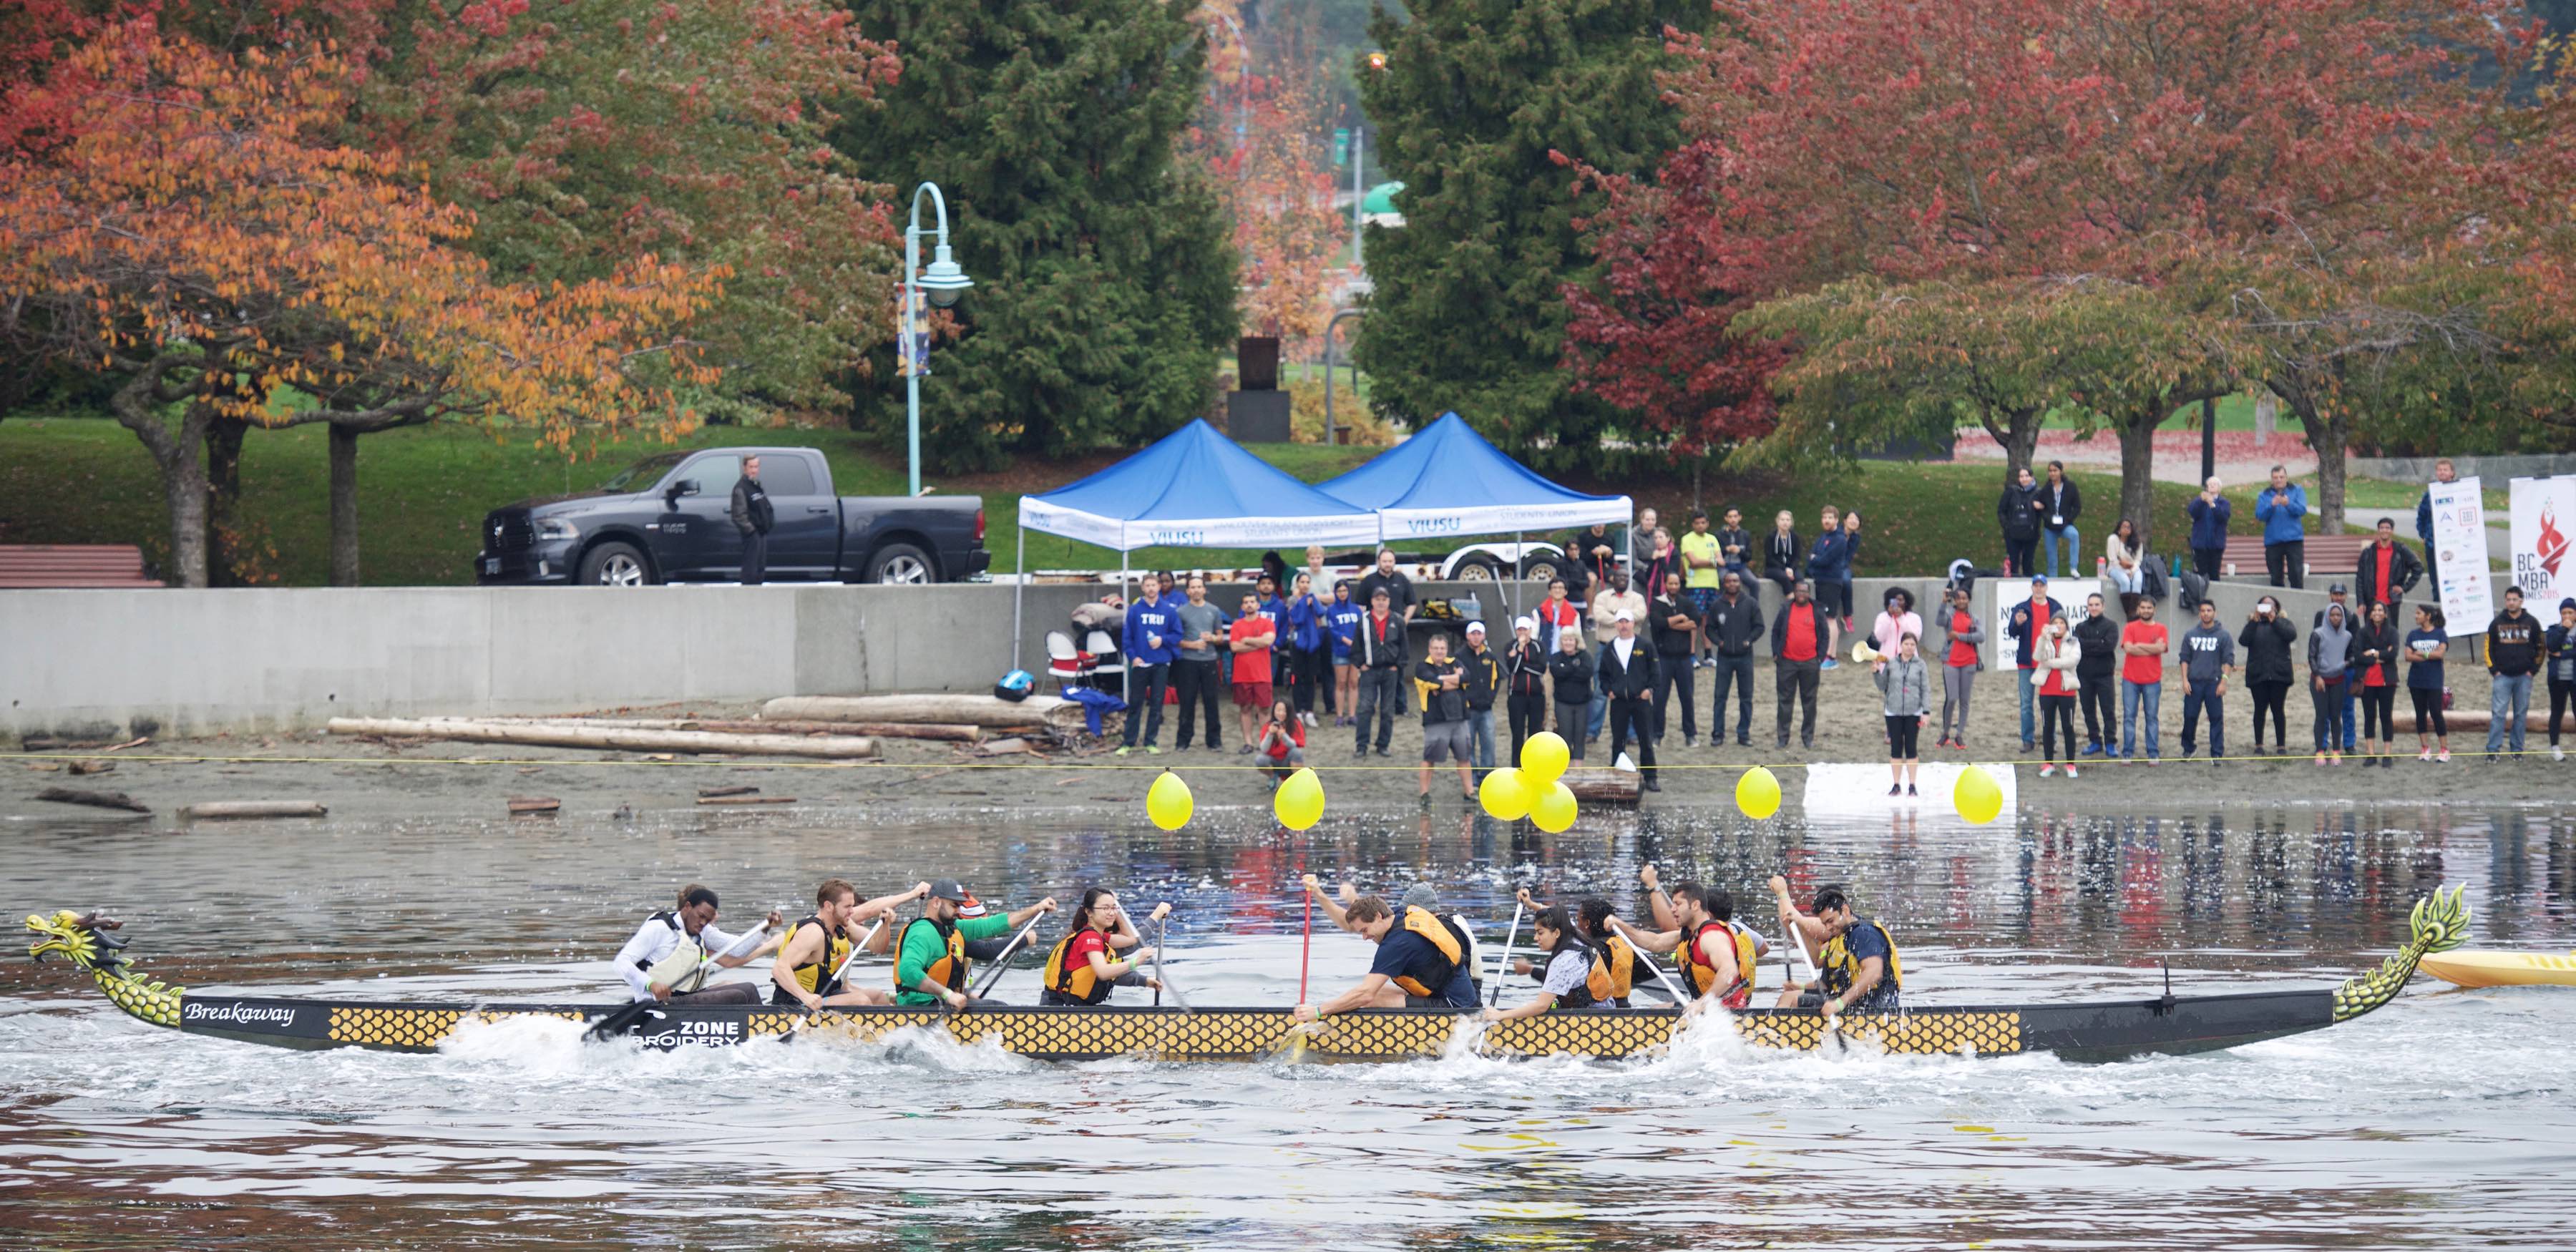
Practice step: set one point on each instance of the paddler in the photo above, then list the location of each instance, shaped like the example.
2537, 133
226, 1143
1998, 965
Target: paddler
930, 962
1570, 976
1716, 958
817, 948
674, 951
1857, 967
1080, 971
1421, 961
1616, 965
1418, 896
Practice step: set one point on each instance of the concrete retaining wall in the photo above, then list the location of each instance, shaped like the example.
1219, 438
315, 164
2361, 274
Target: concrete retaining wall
170, 662
2493, 471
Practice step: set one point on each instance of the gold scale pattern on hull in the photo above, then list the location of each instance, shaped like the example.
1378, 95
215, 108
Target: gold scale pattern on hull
1222, 1034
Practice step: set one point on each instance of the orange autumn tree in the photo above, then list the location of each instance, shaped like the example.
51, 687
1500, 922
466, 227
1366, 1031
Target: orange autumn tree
1277, 183
201, 235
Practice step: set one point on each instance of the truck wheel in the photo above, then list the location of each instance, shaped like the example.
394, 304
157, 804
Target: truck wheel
615, 565
900, 564
1477, 570
1541, 569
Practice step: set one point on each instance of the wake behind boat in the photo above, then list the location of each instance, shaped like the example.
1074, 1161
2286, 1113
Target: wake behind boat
2099, 1031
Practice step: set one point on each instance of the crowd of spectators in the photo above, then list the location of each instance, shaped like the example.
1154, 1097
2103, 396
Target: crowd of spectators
1603, 652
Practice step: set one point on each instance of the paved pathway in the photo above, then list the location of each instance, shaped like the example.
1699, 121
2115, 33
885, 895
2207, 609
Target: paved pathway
2241, 457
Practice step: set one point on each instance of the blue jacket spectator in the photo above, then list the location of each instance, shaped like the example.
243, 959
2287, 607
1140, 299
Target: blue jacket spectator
1276, 610
1342, 623
2281, 521
1305, 623
1830, 559
2209, 521
1148, 616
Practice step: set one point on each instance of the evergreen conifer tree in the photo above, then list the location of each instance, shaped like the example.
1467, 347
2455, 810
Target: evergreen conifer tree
1477, 97
1104, 281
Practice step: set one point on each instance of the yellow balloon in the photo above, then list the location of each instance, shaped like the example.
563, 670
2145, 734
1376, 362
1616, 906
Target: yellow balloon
1168, 802
1976, 796
1757, 793
1544, 757
1299, 802
1554, 811
1505, 794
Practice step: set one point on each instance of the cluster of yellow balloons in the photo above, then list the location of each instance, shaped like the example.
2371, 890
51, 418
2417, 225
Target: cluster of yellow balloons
1536, 789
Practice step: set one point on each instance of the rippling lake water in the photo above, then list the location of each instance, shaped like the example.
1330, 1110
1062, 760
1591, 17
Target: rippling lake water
2446, 1119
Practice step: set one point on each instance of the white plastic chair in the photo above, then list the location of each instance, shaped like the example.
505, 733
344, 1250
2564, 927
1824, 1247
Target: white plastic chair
1065, 663
1110, 676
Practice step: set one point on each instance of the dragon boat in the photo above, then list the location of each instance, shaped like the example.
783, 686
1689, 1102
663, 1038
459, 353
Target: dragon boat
2097, 1031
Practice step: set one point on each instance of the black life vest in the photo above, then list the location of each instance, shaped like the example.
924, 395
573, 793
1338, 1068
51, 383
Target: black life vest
824, 968
1448, 945
1585, 995
1837, 969
1076, 982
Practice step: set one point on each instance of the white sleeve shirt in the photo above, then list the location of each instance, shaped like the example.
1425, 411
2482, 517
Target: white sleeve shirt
657, 939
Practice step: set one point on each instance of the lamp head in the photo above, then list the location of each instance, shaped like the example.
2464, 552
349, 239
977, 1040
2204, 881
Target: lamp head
944, 280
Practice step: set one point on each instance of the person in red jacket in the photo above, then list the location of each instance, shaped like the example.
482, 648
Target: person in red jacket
1801, 639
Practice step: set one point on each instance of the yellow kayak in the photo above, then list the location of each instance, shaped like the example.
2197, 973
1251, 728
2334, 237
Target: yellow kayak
2503, 969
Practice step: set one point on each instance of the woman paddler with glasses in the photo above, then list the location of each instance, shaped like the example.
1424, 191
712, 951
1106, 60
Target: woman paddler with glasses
1080, 971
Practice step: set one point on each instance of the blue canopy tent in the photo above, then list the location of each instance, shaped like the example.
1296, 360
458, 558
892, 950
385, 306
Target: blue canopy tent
1194, 488
1447, 480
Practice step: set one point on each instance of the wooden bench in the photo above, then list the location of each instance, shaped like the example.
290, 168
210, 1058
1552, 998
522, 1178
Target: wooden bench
2330, 557
74, 565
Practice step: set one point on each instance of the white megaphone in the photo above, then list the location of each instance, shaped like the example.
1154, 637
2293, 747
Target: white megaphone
1863, 654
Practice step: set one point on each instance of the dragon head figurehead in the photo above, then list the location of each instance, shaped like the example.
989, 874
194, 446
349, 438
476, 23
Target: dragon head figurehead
84, 938
88, 942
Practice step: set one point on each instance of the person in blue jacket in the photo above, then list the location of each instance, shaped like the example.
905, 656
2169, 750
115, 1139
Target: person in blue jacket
1310, 660
2209, 512
2443, 472
1146, 638
1341, 627
1829, 567
2280, 506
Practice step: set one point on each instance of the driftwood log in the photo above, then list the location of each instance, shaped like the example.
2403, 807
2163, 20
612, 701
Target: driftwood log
2463, 720
94, 799
545, 735
746, 799
220, 809
1054, 712
1604, 785
522, 806
957, 733
712, 793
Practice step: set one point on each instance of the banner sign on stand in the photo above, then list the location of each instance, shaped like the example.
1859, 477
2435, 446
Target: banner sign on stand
2460, 545
2544, 515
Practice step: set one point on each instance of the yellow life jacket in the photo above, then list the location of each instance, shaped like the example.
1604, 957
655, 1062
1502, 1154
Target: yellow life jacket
949, 970
1699, 975
836, 948
1836, 969
1076, 981
1451, 947
1614, 970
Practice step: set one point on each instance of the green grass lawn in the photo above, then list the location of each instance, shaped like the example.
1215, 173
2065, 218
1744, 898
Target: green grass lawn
2234, 413
423, 492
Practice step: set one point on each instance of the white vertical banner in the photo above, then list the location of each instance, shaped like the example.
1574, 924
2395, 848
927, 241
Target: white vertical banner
2460, 547
2544, 513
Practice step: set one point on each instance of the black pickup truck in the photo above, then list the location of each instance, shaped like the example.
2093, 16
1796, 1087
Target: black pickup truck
666, 519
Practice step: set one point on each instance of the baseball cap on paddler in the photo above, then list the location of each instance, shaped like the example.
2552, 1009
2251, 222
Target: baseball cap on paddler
948, 889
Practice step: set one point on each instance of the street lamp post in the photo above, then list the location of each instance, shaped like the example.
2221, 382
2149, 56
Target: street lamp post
944, 281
